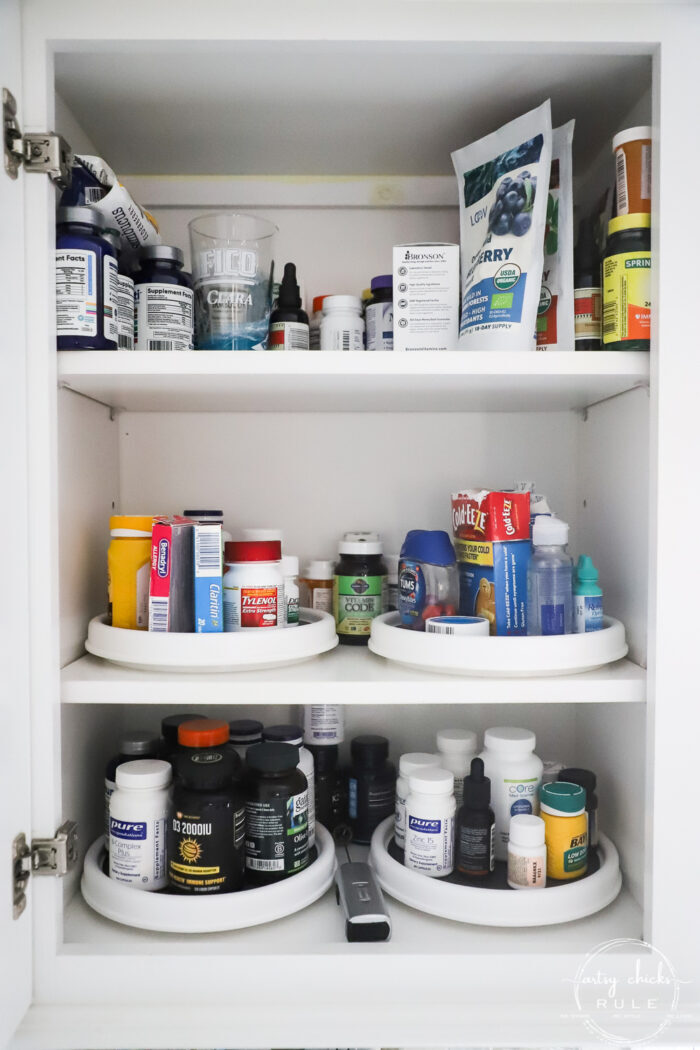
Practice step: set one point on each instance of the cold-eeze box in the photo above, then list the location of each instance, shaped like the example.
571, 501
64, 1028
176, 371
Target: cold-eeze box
426, 296
492, 542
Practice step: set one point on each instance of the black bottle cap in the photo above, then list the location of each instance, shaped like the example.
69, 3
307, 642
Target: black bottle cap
207, 770
369, 750
289, 298
325, 757
586, 254
245, 731
284, 734
477, 787
585, 778
169, 726
138, 742
272, 758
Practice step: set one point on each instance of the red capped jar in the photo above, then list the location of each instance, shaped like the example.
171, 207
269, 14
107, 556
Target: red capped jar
254, 585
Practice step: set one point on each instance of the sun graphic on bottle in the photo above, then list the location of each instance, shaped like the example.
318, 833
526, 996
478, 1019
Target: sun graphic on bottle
190, 850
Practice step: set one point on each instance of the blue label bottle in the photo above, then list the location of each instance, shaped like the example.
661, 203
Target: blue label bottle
588, 597
549, 579
86, 282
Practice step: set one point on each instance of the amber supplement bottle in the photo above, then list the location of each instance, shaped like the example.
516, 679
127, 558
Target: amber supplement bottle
475, 825
277, 800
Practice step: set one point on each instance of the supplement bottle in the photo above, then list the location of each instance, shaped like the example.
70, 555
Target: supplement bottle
457, 748
408, 764
515, 773
124, 294
430, 816
315, 322
290, 571
379, 314
428, 582
588, 597
207, 734
527, 853
475, 833
371, 786
627, 283
588, 294
206, 826
586, 779
169, 727
254, 585
342, 326
632, 149
129, 570
133, 744
86, 282
277, 796
549, 579
138, 813
359, 586
324, 724
164, 301
329, 795
291, 734
316, 586
243, 733
563, 808
289, 324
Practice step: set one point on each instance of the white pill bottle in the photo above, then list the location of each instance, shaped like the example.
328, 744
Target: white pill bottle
342, 324
138, 814
457, 748
515, 772
430, 817
408, 764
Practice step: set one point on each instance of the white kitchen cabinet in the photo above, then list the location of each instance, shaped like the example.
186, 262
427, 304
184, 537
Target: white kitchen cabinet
337, 121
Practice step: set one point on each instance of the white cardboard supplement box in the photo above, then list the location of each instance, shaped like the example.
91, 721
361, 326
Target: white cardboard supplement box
426, 296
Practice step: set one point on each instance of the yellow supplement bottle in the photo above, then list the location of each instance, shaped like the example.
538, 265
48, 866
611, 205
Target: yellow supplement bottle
563, 810
129, 570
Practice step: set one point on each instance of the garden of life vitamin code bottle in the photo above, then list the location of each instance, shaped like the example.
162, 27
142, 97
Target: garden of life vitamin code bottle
359, 586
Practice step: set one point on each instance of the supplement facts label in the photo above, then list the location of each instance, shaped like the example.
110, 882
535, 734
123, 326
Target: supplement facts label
277, 834
125, 313
163, 317
110, 289
288, 335
76, 293
137, 851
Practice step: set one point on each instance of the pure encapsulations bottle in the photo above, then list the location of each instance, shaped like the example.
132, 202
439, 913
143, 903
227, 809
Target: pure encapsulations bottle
138, 814
430, 816
408, 764
550, 599
124, 294
342, 326
163, 300
133, 744
86, 282
515, 773
277, 796
457, 748
291, 734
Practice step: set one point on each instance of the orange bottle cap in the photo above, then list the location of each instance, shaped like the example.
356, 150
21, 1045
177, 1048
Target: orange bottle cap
202, 732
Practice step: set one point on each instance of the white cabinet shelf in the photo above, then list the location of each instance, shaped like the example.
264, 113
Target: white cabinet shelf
313, 382
345, 676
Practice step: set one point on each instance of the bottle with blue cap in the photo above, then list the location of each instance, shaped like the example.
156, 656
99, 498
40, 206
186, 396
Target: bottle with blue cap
428, 584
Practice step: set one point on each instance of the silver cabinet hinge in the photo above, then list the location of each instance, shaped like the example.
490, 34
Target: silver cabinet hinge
43, 152
56, 856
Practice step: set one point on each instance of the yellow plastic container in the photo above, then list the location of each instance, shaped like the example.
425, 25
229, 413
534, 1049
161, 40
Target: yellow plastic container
563, 810
129, 570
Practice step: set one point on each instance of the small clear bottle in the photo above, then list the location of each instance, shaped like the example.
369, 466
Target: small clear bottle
408, 764
588, 597
342, 326
527, 853
290, 571
430, 817
550, 579
163, 300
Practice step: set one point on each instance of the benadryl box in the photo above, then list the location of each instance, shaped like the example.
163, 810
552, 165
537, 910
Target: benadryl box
426, 296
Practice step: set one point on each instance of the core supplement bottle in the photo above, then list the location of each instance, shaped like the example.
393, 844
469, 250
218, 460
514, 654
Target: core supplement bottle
358, 587
371, 786
277, 799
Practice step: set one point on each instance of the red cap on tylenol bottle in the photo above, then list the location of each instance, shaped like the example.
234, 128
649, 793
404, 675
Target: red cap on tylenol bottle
253, 550
202, 732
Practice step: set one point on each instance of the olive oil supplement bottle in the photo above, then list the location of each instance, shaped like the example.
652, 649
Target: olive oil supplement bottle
475, 826
563, 810
276, 814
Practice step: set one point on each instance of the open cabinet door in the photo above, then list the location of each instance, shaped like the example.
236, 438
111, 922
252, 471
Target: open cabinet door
15, 932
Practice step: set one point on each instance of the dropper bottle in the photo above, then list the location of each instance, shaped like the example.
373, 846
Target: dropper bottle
474, 847
289, 324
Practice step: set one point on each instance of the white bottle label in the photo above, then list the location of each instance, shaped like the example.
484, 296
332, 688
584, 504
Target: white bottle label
429, 844
125, 313
249, 607
324, 724
342, 338
400, 821
137, 852
379, 321
322, 599
527, 871
110, 296
163, 317
76, 293
288, 335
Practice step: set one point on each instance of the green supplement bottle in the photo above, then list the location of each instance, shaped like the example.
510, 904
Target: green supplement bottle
276, 814
627, 283
358, 587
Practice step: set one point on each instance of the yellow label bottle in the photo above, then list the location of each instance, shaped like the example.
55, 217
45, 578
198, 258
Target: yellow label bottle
563, 810
129, 570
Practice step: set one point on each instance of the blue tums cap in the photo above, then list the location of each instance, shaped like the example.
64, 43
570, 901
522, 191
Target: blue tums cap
386, 280
432, 546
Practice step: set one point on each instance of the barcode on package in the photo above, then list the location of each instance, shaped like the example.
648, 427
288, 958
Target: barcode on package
621, 178
346, 340
265, 865
299, 338
207, 552
125, 342
158, 614
93, 194
610, 319
160, 344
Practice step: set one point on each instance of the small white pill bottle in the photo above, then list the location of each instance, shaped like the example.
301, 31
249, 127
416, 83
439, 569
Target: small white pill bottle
527, 853
408, 764
516, 775
457, 748
324, 724
138, 814
290, 571
342, 325
430, 817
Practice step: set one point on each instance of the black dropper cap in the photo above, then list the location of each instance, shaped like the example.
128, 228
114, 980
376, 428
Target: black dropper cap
289, 298
586, 254
477, 787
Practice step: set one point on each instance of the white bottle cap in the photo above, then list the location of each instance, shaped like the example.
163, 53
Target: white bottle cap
456, 741
360, 543
341, 302
548, 531
144, 773
630, 135
526, 830
320, 570
416, 760
510, 740
290, 565
262, 535
431, 780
